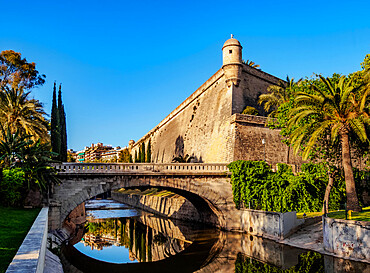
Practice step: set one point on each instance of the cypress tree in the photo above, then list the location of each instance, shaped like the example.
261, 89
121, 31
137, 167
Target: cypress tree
136, 160
54, 123
62, 127
149, 152
142, 158
139, 155
130, 160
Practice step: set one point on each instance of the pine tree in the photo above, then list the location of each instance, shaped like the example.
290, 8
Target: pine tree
54, 123
62, 127
142, 158
149, 152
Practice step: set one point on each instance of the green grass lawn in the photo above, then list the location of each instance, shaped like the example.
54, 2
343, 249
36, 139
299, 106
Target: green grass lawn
308, 214
364, 215
14, 225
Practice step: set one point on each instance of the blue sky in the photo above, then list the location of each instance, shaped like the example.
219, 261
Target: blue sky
125, 65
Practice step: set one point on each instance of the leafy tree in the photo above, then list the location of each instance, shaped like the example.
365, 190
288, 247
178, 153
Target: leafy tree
70, 157
34, 158
249, 110
16, 72
18, 112
339, 108
149, 152
11, 185
124, 156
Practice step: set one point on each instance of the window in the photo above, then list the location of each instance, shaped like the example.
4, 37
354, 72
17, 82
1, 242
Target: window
230, 51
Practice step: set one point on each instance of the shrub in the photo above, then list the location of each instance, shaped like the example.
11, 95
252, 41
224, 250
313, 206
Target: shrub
255, 184
11, 185
249, 110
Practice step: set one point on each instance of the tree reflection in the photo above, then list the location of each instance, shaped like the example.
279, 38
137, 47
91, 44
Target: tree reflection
144, 243
308, 262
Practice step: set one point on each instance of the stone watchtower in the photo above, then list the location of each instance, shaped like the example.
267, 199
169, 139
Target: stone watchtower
232, 61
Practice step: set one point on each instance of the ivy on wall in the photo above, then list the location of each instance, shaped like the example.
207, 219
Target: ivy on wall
255, 185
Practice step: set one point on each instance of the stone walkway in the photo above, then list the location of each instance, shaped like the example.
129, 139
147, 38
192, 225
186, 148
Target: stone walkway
309, 237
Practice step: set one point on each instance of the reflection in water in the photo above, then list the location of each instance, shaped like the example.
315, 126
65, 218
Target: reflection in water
124, 240
307, 262
147, 243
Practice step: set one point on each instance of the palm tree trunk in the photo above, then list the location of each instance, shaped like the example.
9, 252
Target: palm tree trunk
325, 207
352, 201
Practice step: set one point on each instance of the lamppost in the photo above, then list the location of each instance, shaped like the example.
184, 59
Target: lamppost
264, 149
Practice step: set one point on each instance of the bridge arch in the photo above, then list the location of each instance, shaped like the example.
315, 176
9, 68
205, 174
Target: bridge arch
210, 192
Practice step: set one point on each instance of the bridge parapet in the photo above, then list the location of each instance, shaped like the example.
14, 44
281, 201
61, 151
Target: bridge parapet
143, 168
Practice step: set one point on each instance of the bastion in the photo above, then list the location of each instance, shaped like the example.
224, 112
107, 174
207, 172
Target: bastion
209, 125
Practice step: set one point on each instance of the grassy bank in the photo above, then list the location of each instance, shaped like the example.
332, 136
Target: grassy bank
364, 215
14, 225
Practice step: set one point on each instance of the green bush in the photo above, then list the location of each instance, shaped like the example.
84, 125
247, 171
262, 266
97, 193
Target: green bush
11, 184
249, 110
255, 184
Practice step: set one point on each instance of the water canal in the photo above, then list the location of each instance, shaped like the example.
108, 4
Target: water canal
119, 238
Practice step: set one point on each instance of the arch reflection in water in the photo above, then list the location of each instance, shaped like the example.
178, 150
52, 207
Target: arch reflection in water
123, 240
155, 244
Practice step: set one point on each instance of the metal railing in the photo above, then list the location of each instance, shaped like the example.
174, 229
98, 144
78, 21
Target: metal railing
139, 168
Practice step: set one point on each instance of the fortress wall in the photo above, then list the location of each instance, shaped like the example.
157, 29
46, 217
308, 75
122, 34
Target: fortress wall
253, 83
204, 127
200, 126
250, 130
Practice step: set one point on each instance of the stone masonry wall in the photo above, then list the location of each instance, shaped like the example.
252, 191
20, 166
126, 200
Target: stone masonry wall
249, 132
254, 82
172, 207
347, 238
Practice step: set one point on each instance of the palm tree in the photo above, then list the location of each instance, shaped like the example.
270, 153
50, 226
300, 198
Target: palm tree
11, 147
18, 112
339, 110
277, 95
182, 159
36, 164
251, 63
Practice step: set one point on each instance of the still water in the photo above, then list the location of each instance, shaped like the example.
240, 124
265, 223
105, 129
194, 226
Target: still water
119, 238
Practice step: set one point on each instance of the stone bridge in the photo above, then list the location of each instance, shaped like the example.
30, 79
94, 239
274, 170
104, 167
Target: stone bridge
207, 186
